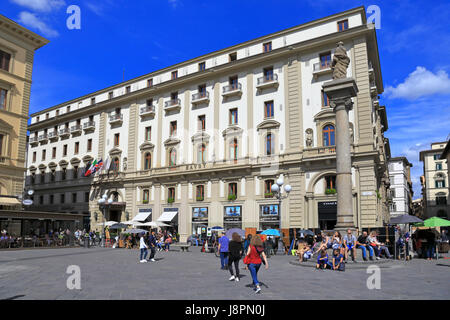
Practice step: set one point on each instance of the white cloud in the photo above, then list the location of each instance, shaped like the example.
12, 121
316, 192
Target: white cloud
97, 9
40, 5
421, 82
32, 21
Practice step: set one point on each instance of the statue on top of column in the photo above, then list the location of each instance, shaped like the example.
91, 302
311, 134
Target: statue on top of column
340, 62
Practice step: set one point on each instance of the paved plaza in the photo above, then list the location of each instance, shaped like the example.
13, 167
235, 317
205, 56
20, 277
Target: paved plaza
116, 274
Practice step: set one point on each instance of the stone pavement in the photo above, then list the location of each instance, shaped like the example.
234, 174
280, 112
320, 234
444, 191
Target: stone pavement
116, 274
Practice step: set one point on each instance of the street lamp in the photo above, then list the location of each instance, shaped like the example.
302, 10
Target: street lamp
276, 189
102, 204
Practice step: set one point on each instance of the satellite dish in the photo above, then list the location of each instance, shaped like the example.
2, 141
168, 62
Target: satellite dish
27, 202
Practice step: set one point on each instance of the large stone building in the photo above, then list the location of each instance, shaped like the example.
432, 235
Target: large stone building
446, 158
17, 46
435, 181
201, 142
401, 190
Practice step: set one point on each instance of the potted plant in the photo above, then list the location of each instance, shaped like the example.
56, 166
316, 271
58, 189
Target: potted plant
330, 191
378, 194
268, 195
170, 200
145, 201
200, 198
231, 197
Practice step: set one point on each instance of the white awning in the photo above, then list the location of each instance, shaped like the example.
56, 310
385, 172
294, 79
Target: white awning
9, 201
167, 216
142, 216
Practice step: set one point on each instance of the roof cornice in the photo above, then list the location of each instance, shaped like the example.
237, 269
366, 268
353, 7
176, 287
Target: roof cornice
12, 27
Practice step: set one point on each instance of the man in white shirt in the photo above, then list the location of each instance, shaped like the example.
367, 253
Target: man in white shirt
143, 246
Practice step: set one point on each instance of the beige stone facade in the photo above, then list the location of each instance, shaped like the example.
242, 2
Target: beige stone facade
17, 46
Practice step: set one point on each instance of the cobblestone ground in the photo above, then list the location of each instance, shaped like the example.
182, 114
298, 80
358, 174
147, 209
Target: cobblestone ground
116, 274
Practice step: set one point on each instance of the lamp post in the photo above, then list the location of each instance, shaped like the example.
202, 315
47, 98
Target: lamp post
102, 204
276, 189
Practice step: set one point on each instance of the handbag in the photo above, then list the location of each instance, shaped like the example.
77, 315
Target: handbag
245, 261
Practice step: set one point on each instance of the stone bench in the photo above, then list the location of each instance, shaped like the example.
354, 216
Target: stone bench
182, 246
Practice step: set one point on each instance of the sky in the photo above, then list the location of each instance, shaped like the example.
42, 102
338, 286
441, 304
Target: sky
123, 39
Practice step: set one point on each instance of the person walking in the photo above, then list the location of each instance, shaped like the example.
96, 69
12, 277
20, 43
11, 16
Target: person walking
235, 253
143, 248
223, 250
152, 246
247, 242
253, 259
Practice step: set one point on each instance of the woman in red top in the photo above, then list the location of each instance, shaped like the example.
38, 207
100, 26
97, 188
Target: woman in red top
253, 259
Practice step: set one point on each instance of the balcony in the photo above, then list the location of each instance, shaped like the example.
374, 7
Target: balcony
43, 138
5, 160
34, 141
373, 88
89, 126
321, 69
201, 97
269, 80
53, 136
371, 71
232, 89
174, 104
75, 129
64, 133
116, 118
147, 111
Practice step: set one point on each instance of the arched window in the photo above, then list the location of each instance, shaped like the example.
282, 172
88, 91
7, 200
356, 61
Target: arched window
115, 196
201, 153
234, 149
147, 161
200, 194
268, 188
269, 144
116, 164
145, 196
328, 135
172, 157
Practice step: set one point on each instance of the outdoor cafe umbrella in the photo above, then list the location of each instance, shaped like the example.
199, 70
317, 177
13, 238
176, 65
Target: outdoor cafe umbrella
306, 232
107, 223
119, 226
230, 232
405, 219
434, 222
135, 231
271, 232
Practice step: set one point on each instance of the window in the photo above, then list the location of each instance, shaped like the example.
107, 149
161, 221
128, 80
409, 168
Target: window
44, 153
174, 96
33, 178
65, 150
63, 173
172, 157
147, 161
67, 109
268, 188
145, 196
93, 100
57, 112
201, 66
75, 172
116, 139
52, 175
4, 60
436, 156
34, 156
74, 198
328, 135
232, 56
148, 133
149, 82
127, 89
232, 189
325, 100
52, 199
3, 94
234, 116
53, 152
110, 94
89, 145
268, 74
325, 60
62, 198
267, 46
269, 145
116, 165
441, 200
47, 115
201, 153
91, 118
202, 90
118, 110
200, 193
171, 195
77, 147
233, 81
37, 118
234, 149
41, 199
440, 184
392, 207
86, 197
268, 109
438, 166
173, 128
202, 123
42, 176
149, 102
1, 144
330, 182
342, 25
174, 75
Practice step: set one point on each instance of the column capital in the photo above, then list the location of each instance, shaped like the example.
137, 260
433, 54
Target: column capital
345, 103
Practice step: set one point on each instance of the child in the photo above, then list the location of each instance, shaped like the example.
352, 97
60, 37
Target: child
322, 259
337, 262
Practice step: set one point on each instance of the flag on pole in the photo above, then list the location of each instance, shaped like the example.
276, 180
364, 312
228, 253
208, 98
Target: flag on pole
91, 168
99, 166
96, 166
106, 165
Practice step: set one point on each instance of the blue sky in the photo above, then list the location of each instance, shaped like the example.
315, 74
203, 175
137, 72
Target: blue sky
141, 36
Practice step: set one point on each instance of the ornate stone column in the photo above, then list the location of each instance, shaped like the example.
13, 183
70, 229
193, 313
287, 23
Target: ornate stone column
340, 92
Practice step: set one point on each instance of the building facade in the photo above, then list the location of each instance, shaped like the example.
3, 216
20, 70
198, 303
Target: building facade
435, 181
401, 190
445, 156
200, 143
17, 46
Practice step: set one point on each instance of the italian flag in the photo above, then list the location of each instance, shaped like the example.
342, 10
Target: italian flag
91, 169
98, 166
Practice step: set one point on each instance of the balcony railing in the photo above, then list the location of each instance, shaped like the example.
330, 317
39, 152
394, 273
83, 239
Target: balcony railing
268, 80
200, 97
373, 88
53, 135
89, 125
43, 138
76, 129
115, 118
231, 89
33, 140
64, 132
172, 104
147, 110
321, 68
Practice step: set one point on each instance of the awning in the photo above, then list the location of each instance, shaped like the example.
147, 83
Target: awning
9, 201
142, 216
167, 216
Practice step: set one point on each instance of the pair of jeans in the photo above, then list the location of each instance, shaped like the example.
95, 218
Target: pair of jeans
143, 253
254, 268
430, 251
152, 252
386, 251
223, 259
234, 260
364, 252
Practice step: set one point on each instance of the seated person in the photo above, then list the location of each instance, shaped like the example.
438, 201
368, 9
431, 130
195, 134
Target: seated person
302, 249
322, 259
336, 242
337, 263
363, 244
402, 243
350, 245
377, 246
323, 242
